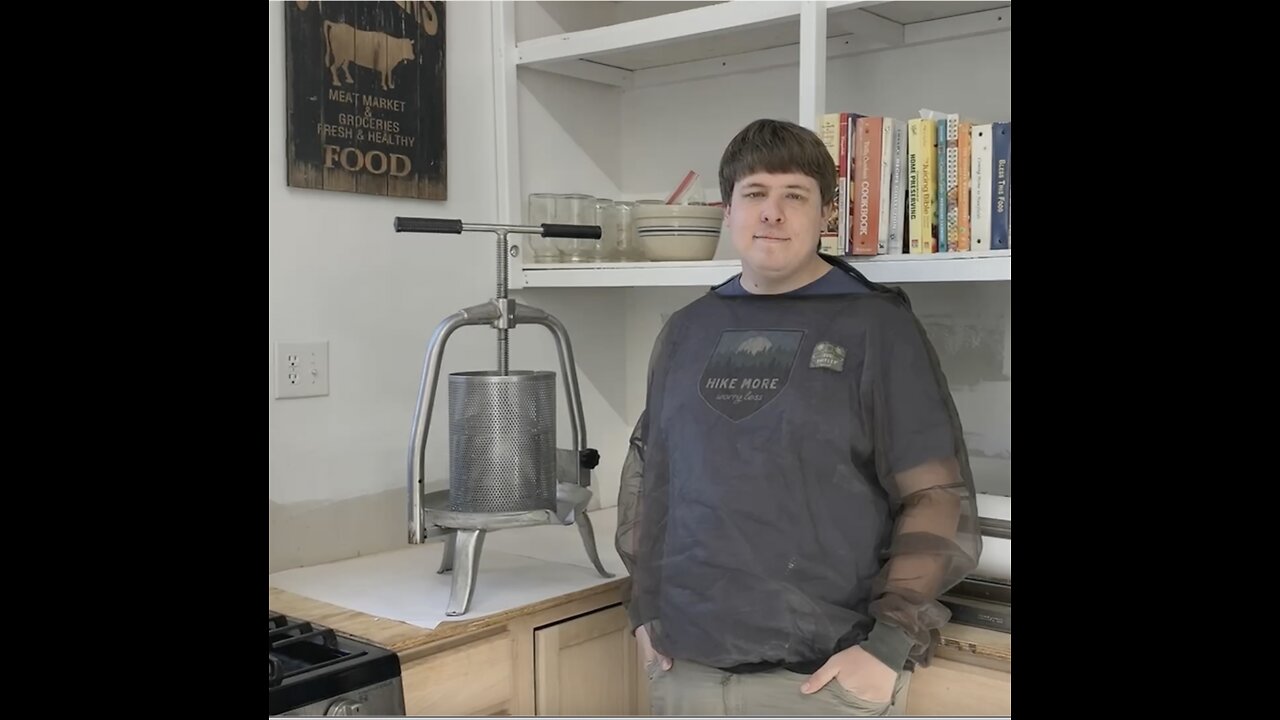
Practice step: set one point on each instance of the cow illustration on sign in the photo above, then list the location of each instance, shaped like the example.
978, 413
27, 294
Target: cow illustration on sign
378, 51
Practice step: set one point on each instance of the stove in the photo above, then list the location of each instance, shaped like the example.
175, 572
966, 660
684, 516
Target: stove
315, 671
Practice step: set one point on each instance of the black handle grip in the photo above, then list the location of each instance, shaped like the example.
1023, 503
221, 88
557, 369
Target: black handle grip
585, 232
429, 225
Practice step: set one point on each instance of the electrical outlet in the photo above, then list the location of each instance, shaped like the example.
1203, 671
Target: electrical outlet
302, 370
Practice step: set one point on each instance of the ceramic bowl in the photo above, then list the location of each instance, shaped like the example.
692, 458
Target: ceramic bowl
678, 232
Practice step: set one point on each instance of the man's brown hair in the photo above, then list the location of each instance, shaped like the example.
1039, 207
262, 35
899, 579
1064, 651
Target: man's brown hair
777, 146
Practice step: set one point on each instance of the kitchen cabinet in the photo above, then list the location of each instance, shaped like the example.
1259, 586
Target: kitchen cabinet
564, 655
587, 666
475, 678
575, 655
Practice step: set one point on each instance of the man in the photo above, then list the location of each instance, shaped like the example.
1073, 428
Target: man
797, 492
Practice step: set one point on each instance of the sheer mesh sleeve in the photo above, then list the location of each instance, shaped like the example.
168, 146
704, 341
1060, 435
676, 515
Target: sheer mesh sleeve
631, 502
629, 494
923, 465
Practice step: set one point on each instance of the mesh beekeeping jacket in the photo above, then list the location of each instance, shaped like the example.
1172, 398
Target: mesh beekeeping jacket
798, 475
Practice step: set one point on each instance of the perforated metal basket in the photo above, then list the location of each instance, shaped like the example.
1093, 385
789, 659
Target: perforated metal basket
502, 441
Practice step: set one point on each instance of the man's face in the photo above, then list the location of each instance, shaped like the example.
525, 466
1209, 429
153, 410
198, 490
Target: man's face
775, 221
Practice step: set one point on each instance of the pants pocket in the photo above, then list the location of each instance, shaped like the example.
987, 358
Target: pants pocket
860, 706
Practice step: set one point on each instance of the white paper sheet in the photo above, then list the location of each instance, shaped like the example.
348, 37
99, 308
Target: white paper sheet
518, 566
559, 543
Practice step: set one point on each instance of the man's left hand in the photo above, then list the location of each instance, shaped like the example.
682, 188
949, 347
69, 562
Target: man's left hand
859, 672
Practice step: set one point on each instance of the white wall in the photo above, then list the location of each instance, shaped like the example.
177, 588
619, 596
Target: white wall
629, 10
338, 272
569, 125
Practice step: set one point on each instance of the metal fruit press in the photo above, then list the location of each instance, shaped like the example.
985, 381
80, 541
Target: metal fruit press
505, 470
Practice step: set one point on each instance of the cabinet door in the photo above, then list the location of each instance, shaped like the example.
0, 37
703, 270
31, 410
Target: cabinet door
474, 679
587, 666
953, 688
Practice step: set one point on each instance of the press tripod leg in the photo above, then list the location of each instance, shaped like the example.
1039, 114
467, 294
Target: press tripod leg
589, 540
446, 560
468, 545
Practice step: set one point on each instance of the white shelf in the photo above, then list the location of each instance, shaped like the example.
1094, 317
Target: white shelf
701, 24
733, 37
990, 265
637, 274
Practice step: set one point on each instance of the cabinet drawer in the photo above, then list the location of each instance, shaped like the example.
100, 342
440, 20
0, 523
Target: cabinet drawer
473, 679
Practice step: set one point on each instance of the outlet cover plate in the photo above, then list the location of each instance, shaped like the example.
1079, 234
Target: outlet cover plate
302, 369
